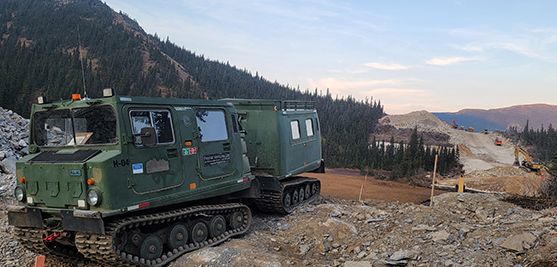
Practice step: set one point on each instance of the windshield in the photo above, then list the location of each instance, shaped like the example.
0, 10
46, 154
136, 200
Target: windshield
94, 125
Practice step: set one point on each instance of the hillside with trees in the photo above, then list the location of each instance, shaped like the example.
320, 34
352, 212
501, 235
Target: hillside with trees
46, 44
541, 143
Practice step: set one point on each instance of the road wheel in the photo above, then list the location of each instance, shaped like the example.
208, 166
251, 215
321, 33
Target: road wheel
314, 189
151, 248
236, 220
178, 236
295, 197
287, 201
217, 226
199, 232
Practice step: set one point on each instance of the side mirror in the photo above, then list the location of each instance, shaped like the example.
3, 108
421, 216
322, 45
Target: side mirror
148, 136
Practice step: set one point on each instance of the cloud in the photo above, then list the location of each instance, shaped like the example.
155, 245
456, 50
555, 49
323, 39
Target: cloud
515, 47
473, 47
535, 43
383, 66
444, 61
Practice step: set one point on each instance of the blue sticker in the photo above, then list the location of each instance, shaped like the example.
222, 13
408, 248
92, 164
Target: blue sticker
137, 168
75, 172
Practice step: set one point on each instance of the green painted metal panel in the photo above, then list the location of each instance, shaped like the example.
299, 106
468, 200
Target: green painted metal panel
272, 147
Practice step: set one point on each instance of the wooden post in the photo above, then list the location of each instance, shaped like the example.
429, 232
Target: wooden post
362, 188
433, 181
461, 184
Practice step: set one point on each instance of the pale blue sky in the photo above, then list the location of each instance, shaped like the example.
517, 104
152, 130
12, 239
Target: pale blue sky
412, 55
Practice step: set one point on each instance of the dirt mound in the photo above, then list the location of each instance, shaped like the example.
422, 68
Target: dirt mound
423, 120
510, 180
503, 172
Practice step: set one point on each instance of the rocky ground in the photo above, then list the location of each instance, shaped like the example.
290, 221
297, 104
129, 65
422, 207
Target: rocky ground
458, 230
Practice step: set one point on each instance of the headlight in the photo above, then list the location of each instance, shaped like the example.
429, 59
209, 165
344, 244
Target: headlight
19, 194
94, 196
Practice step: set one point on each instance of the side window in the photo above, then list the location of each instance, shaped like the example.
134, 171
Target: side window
158, 119
211, 125
309, 127
295, 127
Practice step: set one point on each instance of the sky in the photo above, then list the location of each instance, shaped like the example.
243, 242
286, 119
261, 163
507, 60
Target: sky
439, 56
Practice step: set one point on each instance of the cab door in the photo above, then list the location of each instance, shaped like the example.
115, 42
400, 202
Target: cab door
155, 167
216, 152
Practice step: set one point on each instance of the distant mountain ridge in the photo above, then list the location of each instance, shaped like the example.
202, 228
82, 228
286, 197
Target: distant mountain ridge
537, 115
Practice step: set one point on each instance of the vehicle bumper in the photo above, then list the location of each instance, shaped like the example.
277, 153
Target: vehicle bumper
72, 220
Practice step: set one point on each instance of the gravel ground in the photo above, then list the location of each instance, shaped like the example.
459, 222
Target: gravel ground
459, 230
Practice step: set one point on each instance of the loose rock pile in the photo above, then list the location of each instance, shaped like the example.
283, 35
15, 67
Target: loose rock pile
425, 121
501, 172
14, 131
459, 230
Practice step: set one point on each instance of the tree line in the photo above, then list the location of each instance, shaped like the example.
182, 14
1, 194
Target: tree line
407, 160
543, 141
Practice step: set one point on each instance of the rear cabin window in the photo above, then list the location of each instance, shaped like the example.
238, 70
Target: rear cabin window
309, 127
158, 119
295, 127
211, 125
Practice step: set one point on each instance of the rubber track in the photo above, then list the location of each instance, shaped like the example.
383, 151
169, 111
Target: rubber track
32, 240
100, 248
271, 201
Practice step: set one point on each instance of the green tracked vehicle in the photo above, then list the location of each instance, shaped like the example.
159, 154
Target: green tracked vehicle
138, 181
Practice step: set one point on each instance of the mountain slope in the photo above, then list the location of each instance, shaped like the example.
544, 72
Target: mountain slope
502, 118
42, 42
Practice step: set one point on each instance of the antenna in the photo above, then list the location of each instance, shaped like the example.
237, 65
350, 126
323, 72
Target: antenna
82, 69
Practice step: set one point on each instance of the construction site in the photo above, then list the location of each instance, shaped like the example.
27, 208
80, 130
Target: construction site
491, 162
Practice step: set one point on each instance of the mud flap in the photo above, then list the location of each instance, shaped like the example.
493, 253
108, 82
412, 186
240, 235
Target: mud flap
269, 183
24, 217
321, 168
90, 222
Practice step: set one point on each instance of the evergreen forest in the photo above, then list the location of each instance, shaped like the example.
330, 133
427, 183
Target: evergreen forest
409, 160
542, 142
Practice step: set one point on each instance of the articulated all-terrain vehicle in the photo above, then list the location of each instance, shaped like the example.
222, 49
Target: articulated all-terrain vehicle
140, 181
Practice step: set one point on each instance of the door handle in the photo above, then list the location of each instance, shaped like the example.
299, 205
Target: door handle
172, 153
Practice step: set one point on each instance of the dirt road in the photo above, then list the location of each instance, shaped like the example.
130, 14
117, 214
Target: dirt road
479, 152
346, 184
